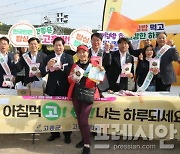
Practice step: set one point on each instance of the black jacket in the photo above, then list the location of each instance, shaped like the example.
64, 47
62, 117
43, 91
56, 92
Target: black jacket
58, 78
115, 70
22, 64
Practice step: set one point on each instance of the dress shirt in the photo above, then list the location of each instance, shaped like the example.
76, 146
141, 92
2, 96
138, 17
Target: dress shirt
5, 57
58, 57
122, 62
93, 52
33, 58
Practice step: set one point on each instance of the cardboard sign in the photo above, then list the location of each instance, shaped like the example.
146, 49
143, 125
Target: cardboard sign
80, 36
20, 33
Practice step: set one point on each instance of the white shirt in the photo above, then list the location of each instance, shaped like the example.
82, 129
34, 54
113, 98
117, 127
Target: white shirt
93, 52
122, 62
5, 57
33, 58
122, 58
58, 57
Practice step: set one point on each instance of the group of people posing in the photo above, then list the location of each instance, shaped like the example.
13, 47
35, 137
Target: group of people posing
113, 62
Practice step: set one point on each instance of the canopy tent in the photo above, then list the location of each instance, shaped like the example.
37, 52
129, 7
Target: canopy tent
169, 15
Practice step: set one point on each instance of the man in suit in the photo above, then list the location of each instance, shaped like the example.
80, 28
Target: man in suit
166, 75
119, 58
35, 57
95, 50
6, 58
57, 66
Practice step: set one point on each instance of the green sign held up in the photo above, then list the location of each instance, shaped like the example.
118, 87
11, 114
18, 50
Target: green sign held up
44, 30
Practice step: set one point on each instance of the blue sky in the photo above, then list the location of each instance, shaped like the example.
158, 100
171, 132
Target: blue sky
81, 12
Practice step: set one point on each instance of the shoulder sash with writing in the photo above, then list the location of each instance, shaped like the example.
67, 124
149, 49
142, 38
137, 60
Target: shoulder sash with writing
29, 61
150, 74
27, 58
4, 65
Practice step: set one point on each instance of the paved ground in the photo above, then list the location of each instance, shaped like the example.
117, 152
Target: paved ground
22, 144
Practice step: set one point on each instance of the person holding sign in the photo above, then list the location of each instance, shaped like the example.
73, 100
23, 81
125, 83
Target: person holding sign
96, 51
7, 72
145, 65
83, 90
32, 61
122, 67
57, 65
166, 55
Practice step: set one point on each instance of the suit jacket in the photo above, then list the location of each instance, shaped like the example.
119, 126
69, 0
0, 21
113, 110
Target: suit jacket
22, 64
11, 67
58, 79
106, 62
167, 73
115, 70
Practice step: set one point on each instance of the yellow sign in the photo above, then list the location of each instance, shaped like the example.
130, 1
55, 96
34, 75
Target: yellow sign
124, 115
109, 7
